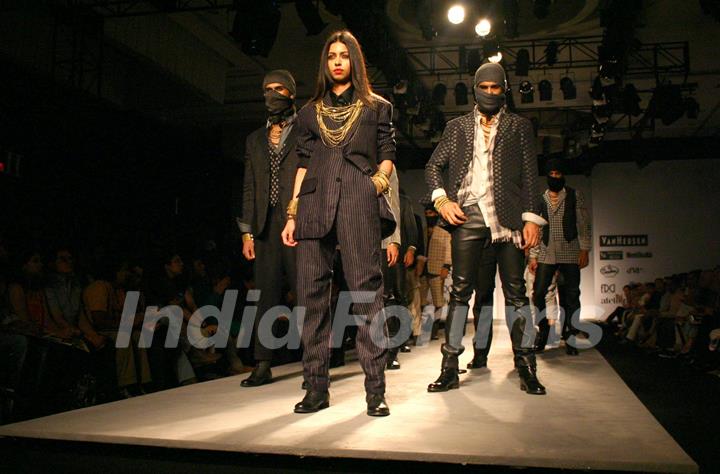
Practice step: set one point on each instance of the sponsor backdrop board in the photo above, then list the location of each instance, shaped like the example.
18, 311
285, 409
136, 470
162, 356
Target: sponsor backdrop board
653, 222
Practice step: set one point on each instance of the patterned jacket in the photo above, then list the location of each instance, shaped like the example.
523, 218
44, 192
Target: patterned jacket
514, 165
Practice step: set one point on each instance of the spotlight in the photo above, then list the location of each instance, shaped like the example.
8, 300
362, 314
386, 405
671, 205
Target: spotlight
522, 66
511, 12
541, 8
545, 88
527, 94
568, 88
483, 27
461, 93
670, 104
253, 40
495, 58
310, 17
423, 13
551, 53
456, 14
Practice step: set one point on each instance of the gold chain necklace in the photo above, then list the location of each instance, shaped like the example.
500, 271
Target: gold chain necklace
345, 116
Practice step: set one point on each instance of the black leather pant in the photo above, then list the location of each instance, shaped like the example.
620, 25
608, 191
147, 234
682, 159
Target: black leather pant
569, 296
484, 302
468, 245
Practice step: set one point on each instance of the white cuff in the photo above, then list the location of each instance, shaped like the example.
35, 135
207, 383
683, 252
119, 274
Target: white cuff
534, 218
439, 192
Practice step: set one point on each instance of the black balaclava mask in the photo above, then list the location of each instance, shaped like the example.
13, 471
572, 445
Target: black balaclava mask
556, 184
487, 103
278, 106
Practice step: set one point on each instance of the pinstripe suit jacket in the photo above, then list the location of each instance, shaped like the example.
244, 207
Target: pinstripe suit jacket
514, 163
372, 142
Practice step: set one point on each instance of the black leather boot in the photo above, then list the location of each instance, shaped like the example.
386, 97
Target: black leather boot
376, 405
479, 361
448, 378
529, 382
313, 402
542, 336
260, 375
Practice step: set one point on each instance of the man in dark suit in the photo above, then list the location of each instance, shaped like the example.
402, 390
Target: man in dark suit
490, 199
270, 165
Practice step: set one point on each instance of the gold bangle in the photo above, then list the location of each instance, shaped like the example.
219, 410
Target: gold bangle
247, 237
440, 202
292, 208
381, 181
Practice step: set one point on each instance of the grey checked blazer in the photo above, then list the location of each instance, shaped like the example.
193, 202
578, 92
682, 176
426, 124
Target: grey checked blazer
514, 160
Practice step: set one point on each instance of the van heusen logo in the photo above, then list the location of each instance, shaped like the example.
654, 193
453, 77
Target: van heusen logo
638, 254
609, 271
623, 240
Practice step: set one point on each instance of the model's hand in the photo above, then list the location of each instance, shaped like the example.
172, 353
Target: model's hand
532, 265
584, 259
444, 272
452, 213
393, 254
409, 258
420, 267
531, 235
249, 249
288, 233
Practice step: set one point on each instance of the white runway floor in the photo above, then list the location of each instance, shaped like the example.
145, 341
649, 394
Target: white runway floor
588, 420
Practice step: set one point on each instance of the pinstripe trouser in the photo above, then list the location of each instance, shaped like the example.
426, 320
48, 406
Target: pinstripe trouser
357, 231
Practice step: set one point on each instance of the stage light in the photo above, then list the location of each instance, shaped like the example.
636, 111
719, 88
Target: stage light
568, 88
527, 92
669, 103
551, 53
310, 17
461, 93
423, 13
456, 14
483, 27
400, 88
496, 58
522, 64
511, 13
545, 88
253, 40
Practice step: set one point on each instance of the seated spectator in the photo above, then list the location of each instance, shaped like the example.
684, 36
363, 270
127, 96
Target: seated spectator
104, 300
64, 294
616, 317
26, 290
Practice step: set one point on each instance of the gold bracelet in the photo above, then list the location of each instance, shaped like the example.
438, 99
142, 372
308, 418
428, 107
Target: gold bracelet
381, 181
292, 208
440, 202
247, 237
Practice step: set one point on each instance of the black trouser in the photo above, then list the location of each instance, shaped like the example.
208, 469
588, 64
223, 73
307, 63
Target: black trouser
484, 302
570, 296
469, 242
274, 272
394, 286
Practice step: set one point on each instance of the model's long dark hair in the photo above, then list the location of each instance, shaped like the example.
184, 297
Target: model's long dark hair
358, 72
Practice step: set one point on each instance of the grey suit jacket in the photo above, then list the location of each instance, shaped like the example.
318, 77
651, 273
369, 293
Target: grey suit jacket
256, 182
514, 163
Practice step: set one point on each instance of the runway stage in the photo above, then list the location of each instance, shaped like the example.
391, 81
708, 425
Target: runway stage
589, 420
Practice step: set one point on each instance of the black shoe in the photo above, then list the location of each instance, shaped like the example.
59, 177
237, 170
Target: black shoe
313, 402
259, 376
412, 341
405, 348
529, 382
447, 381
376, 405
435, 330
571, 350
477, 363
305, 386
393, 365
